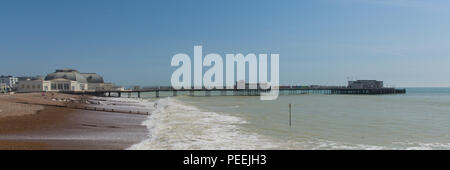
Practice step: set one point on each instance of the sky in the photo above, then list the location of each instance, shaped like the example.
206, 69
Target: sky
405, 43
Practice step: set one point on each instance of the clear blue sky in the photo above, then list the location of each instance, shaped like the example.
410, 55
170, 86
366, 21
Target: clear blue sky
403, 42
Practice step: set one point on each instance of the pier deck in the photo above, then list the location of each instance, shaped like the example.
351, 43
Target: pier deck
245, 92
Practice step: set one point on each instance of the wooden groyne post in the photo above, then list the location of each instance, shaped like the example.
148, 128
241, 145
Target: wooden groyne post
290, 115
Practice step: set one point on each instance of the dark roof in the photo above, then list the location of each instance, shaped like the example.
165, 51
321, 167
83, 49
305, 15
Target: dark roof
66, 70
93, 77
69, 74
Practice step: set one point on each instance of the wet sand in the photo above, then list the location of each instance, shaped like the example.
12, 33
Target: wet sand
65, 128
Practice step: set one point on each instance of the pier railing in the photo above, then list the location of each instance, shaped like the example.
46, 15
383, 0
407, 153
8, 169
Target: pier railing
283, 90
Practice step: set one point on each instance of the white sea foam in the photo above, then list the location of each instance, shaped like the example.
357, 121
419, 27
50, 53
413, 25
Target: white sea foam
425, 146
125, 104
174, 125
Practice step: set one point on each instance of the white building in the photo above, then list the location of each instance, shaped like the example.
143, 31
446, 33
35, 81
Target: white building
8, 83
3, 88
63, 80
67, 80
32, 84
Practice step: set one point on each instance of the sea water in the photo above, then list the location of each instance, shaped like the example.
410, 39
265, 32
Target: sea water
419, 119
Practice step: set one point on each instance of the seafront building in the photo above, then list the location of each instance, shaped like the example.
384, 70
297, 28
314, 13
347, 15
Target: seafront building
3, 88
365, 84
31, 84
95, 82
9, 80
7, 83
63, 80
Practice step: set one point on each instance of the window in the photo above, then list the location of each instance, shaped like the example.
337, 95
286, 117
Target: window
82, 86
53, 86
66, 86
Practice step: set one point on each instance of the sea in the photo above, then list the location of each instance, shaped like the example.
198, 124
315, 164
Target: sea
419, 119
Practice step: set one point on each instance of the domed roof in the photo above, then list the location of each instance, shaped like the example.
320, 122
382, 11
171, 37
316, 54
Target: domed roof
93, 78
69, 74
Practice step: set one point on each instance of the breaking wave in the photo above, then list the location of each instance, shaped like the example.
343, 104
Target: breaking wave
174, 125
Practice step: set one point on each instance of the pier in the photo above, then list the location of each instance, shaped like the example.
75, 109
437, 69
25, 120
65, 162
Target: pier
283, 90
